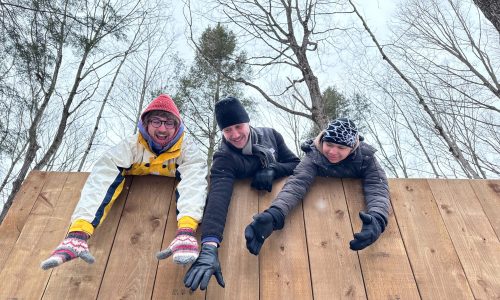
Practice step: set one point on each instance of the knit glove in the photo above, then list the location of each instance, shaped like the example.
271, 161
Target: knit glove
263, 179
184, 247
73, 246
203, 268
258, 231
373, 225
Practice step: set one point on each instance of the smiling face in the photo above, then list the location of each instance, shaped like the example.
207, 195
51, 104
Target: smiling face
161, 127
237, 135
335, 153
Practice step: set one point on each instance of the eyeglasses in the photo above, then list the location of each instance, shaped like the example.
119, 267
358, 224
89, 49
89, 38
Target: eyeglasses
156, 123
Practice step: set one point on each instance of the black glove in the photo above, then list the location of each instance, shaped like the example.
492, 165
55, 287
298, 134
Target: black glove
373, 225
306, 145
258, 231
206, 265
263, 179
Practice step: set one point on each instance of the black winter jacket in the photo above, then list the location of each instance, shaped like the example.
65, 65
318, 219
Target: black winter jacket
359, 164
230, 164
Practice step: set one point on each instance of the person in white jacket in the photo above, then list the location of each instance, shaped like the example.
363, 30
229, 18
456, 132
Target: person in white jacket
161, 147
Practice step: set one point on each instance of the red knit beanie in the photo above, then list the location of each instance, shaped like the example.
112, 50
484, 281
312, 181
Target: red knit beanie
163, 103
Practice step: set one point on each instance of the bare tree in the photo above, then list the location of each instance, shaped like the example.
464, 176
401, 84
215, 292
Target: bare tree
38, 35
30, 48
443, 132
491, 10
152, 69
131, 49
106, 22
293, 129
283, 34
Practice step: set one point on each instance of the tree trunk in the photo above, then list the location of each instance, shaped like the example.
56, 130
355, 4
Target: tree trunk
317, 104
491, 10
143, 93
99, 116
453, 147
32, 131
415, 135
213, 131
12, 165
65, 115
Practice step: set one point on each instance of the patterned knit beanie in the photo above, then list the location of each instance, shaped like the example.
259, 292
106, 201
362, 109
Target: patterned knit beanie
229, 111
341, 131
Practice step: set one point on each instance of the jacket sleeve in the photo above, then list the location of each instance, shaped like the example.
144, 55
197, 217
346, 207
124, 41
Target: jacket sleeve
103, 186
287, 160
296, 186
193, 185
222, 177
375, 187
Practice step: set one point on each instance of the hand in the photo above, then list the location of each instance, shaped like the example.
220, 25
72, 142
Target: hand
263, 179
306, 145
258, 231
203, 268
184, 247
73, 246
373, 225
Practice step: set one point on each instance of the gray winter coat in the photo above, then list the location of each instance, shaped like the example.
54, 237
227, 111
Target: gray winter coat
359, 164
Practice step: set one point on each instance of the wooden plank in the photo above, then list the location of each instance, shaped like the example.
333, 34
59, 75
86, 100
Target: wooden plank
284, 268
335, 269
78, 279
475, 241
239, 268
169, 282
386, 269
22, 273
131, 268
488, 193
435, 264
14, 221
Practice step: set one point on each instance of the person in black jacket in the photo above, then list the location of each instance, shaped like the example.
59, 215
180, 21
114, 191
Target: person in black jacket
245, 152
338, 151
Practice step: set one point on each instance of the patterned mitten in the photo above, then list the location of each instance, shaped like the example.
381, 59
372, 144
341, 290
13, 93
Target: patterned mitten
73, 246
184, 247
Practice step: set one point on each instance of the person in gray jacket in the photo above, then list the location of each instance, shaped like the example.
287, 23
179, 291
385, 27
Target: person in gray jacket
338, 151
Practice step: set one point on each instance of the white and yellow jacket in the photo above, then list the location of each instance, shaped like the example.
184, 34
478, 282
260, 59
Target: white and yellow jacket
133, 156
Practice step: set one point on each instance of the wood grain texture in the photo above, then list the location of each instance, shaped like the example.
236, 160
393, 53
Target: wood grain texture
435, 263
335, 269
132, 264
42, 232
442, 240
488, 194
283, 259
14, 221
169, 282
473, 237
386, 270
82, 279
239, 268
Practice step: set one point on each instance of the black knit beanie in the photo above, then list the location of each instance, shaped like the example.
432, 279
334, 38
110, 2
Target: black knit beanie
229, 111
341, 131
